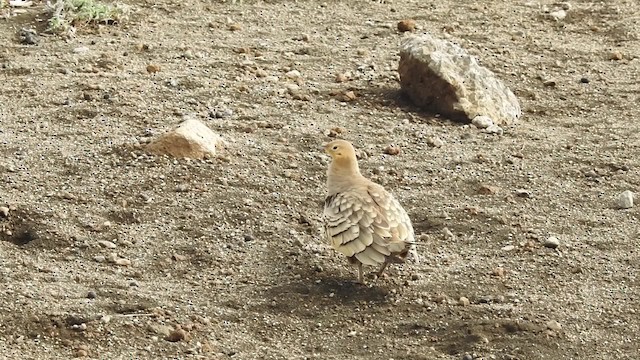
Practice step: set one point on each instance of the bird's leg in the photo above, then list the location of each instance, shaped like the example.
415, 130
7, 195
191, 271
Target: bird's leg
360, 277
384, 266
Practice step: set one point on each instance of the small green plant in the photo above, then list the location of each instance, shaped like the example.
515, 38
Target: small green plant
67, 15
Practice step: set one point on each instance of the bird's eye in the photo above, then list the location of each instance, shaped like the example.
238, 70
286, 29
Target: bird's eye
335, 147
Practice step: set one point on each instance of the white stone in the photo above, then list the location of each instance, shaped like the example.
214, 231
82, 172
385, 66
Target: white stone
441, 77
482, 122
558, 15
625, 200
552, 242
191, 139
494, 129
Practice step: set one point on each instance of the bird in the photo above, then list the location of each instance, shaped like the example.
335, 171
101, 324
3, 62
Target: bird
362, 220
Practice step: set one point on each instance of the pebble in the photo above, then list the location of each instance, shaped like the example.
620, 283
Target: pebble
552, 242
123, 262
407, 25
523, 193
494, 129
485, 189
153, 68
584, 80
558, 15
625, 200
508, 248
616, 55
482, 122
235, 27
392, 150
554, 325
448, 234
91, 295
435, 142
464, 301
467, 357
100, 258
293, 74
107, 244
499, 272
81, 50
4, 211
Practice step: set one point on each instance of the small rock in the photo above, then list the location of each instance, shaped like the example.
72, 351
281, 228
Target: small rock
347, 96
554, 325
552, 242
99, 258
81, 50
494, 129
153, 68
558, 15
615, 55
467, 357
464, 301
191, 139
81, 353
407, 25
122, 262
508, 248
340, 78
235, 27
435, 142
352, 333
177, 335
625, 200
549, 82
499, 272
523, 193
485, 189
482, 122
28, 36
178, 257
448, 234
4, 211
584, 80
91, 295
107, 244
392, 150
293, 74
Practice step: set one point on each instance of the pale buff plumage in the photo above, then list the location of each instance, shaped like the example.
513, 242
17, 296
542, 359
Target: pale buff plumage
362, 220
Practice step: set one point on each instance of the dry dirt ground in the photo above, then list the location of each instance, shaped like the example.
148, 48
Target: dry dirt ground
229, 248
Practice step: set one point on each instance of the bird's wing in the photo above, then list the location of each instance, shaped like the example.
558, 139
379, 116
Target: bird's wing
364, 225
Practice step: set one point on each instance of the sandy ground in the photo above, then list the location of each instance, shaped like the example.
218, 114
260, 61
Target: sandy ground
112, 249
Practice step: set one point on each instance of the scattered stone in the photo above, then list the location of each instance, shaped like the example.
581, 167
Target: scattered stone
28, 36
160, 329
615, 55
346, 96
122, 262
558, 15
293, 74
178, 257
499, 272
584, 80
482, 122
442, 77
407, 25
464, 301
4, 211
343, 77
392, 150
153, 68
494, 129
107, 244
191, 139
81, 50
91, 295
552, 242
81, 353
549, 82
435, 142
467, 357
554, 325
508, 248
625, 200
177, 335
448, 234
485, 189
235, 27
523, 193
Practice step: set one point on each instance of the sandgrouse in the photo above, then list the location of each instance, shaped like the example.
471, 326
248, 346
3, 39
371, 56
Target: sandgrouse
362, 220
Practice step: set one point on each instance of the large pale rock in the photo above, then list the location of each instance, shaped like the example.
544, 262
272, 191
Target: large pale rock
191, 139
440, 76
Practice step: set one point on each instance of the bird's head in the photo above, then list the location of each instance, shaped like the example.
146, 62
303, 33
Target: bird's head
340, 151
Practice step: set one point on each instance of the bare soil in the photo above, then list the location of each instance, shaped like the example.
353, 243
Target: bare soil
229, 250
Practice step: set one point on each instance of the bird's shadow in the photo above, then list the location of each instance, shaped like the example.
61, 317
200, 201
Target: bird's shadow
325, 290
